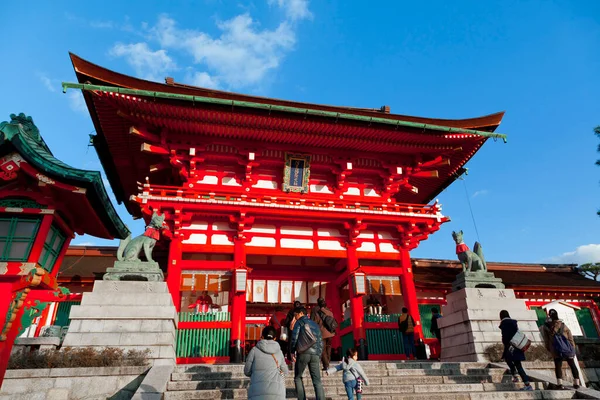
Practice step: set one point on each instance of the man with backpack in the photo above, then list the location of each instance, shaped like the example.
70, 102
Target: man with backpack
406, 325
326, 321
559, 342
307, 344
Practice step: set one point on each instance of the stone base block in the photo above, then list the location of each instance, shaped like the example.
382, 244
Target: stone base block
471, 322
127, 315
477, 279
134, 271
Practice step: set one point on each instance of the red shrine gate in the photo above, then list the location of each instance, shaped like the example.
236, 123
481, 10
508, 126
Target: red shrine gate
271, 200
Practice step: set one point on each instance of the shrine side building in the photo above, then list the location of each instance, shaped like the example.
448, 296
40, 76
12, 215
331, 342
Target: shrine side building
271, 201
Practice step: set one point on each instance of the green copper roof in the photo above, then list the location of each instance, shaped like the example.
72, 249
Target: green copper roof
22, 133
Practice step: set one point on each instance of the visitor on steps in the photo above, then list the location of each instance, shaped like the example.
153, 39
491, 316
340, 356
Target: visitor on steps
353, 373
435, 330
326, 321
513, 356
266, 368
559, 342
277, 321
307, 345
406, 324
289, 323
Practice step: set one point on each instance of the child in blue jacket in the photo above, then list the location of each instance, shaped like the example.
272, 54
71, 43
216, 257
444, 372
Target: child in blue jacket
352, 373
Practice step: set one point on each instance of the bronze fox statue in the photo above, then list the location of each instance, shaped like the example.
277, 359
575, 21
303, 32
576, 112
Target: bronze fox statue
471, 261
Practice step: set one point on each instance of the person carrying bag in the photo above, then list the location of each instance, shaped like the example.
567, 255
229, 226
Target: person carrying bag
515, 345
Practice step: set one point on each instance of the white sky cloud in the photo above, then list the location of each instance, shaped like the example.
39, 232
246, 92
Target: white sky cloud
241, 55
148, 64
583, 254
482, 192
48, 83
76, 101
84, 244
294, 9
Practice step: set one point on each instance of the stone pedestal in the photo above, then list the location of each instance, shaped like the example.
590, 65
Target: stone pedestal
128, 315
134, 271
471, 319
479, 279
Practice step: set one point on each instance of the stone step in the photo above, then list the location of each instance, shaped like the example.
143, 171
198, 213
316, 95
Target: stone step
506, 395
367, 365
336, 388
371, 373
208, 384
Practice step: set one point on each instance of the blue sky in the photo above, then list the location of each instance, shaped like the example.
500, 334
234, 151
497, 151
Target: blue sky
534, 199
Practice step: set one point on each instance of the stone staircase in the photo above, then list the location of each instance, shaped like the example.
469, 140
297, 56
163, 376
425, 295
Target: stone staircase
389, 381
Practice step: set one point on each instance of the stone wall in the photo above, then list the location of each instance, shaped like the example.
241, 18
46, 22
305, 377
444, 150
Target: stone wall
114, 383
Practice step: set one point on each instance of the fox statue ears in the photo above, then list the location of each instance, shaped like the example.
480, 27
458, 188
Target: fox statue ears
453, 232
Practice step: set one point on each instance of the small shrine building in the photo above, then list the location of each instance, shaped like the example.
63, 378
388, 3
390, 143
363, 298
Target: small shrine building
44, 203
269, 201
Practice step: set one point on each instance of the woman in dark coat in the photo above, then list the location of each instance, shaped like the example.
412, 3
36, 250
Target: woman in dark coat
512, 355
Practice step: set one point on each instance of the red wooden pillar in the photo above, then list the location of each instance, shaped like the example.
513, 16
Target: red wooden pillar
357, 311
595, 314
61, 257
238, 306
6, 293
40, 239
332, 298
174, 271
409, 292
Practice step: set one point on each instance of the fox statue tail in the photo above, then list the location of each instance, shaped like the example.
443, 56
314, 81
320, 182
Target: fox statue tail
477, 249
122, 246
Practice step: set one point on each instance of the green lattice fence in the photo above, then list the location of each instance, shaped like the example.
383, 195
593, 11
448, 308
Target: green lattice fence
385, 341
382, 318
63, 311
190, 316
203, 342
345, 323
347, 342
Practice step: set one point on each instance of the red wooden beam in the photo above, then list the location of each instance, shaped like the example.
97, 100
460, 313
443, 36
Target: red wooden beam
150, 148
205, 264
144, 134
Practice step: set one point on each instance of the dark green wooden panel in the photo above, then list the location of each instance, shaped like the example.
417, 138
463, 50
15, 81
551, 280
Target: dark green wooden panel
584, 316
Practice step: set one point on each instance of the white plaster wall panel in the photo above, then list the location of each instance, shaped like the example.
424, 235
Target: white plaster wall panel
230, 181
263, 229
367, 246
258, 241
370, 192
196, 238
353, 191
320, 189
198, 225
329, 232
300, 291
296, 244
222, 226
387, 248
220, 239
265, 184
296, 230
209, 180
367, 235
385, 235
330, 245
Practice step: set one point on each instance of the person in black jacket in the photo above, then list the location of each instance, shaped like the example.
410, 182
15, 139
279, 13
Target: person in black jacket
307, 343
512, 355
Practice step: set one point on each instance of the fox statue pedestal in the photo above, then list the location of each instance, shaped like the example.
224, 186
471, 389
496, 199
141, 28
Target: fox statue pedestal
127, 315
470, 322
134, 271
